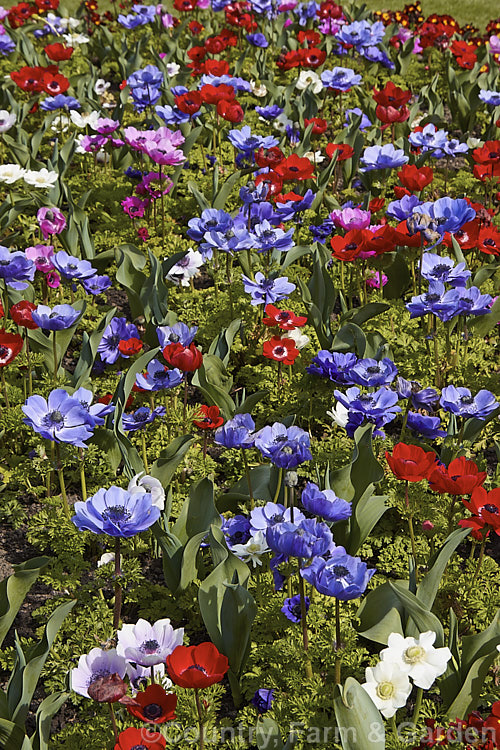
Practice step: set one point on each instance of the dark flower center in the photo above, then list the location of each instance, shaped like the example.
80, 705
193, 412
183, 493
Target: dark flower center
277, 518
279, 351
152, 711
3, 351
440, 269
113, 341
55, 418
199, 668
150, 647
491, 508
139, 747
373, 369
340, 571
466, 400
116, 514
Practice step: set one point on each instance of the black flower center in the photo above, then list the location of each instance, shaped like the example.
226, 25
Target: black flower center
340, 571
152, 711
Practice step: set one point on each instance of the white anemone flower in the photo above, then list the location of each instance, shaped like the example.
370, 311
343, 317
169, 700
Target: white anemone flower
308, 79
388, 687
147, 644
101, 86
43, 178
186, 268
10, 173
417, 657
258, 89
143, 483
252, 550
301, 340
172, 69
84, 119
74, 39
339, 414
282, 122
7, 120
105, 559
315, 156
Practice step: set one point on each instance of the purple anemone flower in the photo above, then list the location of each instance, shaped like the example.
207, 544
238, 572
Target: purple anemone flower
94, 665
147, 644
61, 418
116, 512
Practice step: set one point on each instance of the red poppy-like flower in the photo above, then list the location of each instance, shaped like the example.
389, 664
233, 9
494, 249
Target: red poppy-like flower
189, 103
281, 350
153, 705
108, 397
131, 346
392, 96
459, 478
272, 180
20, 13
214, 94
376, 204
47, 4
197, 666
269, 157
285, 319
54, 83
230, 111
467, 236
312, 57
319, 125
197, 53
295, 168
185, 5
214, 67
489, 241
488, 153
10, 346
133, 738
312, 38
209, 418
411, 463
343, 151
28, 79
390, 115
58, 51
21, 314
493, 720
215, 45
468, 61
289, 60
351, 244
415, 179
195, 28
185, 358
485, 507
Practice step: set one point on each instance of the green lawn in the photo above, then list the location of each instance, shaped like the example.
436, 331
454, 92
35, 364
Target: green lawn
478, 12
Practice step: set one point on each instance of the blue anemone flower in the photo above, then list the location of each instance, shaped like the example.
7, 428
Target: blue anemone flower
116, 512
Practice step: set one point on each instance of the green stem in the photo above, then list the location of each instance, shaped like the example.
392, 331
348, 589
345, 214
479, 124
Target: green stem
113, 721
394, 730
117, 609
4, 388
184, 413
144, 451
201, 723
303, 623
28, 358
338, 660
249, 481
410, 528
479, 563
83, 481
54, 353
278, 486
62, 484
418, 705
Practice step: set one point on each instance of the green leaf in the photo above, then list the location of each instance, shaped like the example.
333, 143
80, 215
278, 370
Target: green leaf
46, 711
421, 616
214, 382
359, 721
351, 482
360, 315
222, 343
12, 737
198, 512
267, 734
380, 614
24, 680
428, 587
14, 589
484, 323
170, 457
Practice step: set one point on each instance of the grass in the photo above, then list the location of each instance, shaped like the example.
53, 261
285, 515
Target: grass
478, 12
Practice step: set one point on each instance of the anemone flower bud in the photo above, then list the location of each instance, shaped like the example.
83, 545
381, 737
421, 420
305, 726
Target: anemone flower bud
107, 689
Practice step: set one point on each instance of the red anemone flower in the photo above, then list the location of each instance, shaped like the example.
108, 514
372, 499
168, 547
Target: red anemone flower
131, 346
58, 51
208, 418
281, 350
485, 507
214, 94
153, 705
230, 111
10, 346
461, 477
21, 314
185, 358
392, 96
189, 103
415, 179
489, 241
269, 157
411, 463
143, 738
319, 125
351, 244
285, 319
197, 666
343, 151
295, 168
54, 83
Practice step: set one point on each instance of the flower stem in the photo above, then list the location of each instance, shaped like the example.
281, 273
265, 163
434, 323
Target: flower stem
144, 451
278, 486
410, 527
479, 563
113, 721
118, 589
249, 481
28, 358
303, 623
83, 481
62, 484
185, 400
54, 353
418, 705
201, 724
338, 659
